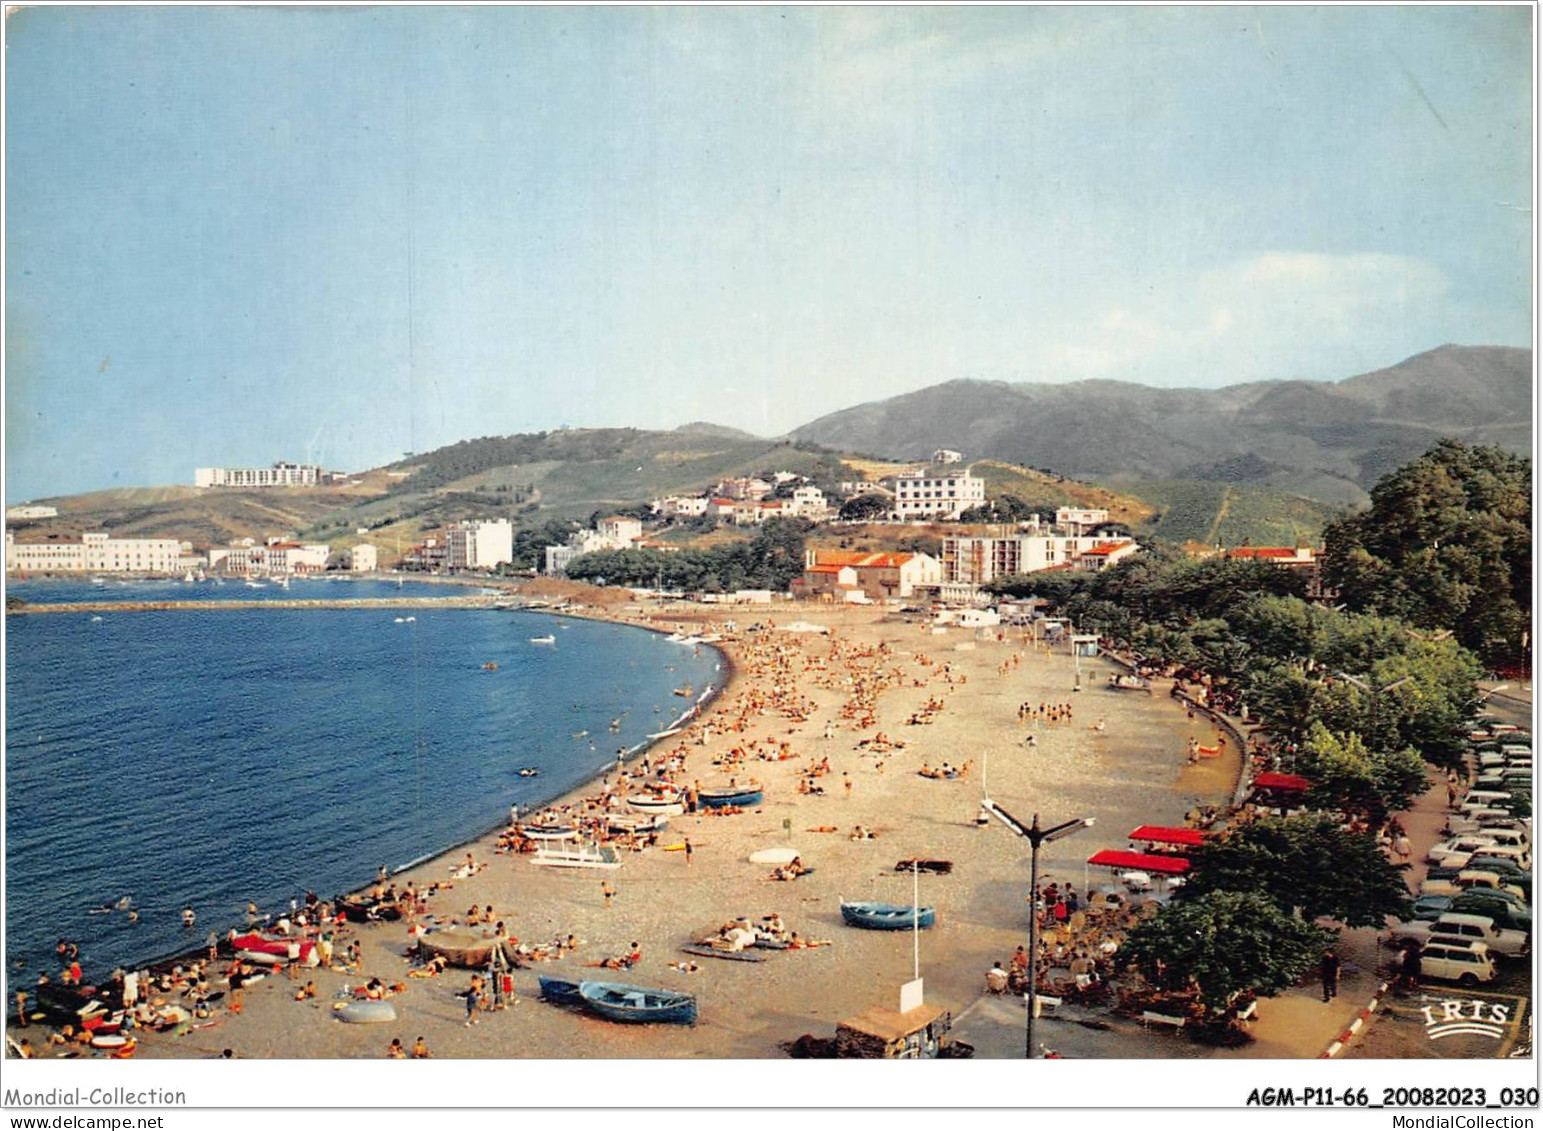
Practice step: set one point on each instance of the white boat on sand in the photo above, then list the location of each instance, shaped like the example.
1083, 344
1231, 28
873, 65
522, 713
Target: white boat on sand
587, 856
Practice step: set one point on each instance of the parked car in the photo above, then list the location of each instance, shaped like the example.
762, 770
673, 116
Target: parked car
1500, 819
1454, 852
1466, 879
1466, 965
1505, 910
1432, 907
1461, 929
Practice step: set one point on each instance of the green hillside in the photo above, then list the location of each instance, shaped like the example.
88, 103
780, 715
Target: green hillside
1198, 511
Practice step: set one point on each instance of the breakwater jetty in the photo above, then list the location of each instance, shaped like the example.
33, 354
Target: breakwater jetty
478, 601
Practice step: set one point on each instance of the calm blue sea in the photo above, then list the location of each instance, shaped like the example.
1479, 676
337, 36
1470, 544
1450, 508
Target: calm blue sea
211, 758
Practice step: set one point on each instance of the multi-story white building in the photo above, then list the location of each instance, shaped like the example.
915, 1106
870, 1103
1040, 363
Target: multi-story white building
278, 557
96, 552
281, 474
809, 501
479, 544
613, 533
620, 529
362, 558
945, 456
1081, 520
29, 511
975, 561
934, 493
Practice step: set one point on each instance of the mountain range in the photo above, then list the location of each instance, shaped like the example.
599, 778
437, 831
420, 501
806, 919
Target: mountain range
1324, 440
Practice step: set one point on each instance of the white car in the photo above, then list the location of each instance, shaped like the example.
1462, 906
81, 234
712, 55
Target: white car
1454, 853
1459, 929
1467, 965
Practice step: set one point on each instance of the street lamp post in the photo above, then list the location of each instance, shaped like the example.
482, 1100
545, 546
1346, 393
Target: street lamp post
1375, 692
1036, 836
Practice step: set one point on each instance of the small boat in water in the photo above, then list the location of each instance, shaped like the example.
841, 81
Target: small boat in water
720, 797
886, 916
543, 639
638, 1005
528, 772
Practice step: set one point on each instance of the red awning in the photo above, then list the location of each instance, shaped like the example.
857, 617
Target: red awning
1157, 834
1139, 862
1283, 781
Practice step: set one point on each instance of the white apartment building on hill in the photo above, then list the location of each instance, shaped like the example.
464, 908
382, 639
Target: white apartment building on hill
281, 474
96, 552
936, 493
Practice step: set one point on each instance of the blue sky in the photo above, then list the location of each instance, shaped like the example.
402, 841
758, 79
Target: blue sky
230, 229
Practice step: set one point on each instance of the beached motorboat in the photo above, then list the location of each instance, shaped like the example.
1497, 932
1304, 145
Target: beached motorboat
361, 910
1124, 681
588, 856
650, 823
638, 1005
268, 951
663, 804
549, 832
886, 916
719, 797
559, 992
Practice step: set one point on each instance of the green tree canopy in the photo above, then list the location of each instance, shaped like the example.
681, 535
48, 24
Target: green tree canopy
1446, 543
1306, 864
861, 508
1225, 943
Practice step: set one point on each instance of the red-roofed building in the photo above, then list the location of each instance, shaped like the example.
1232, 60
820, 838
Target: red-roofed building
881, 576
1105, 554
1301, 560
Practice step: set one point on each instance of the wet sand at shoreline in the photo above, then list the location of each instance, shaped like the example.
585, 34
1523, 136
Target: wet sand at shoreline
1132, 772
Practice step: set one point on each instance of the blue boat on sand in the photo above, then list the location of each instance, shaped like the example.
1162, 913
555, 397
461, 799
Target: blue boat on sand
559, 992
721, 797
637, 1005
887, 916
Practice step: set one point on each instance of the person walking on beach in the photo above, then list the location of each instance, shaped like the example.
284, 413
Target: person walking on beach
688, 852
607, 891
474, 1002
846, 784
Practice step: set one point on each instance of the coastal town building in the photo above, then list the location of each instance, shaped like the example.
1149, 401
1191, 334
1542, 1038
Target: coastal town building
28, 511
1304, 561
363, 558
809, 502
946, 456
616, 532
744, 487
96, 552
281, 474
277, 557
975, 560
851, 487
928, 493
682, 506
1105, 554
1081, 520
837, 574
479, 544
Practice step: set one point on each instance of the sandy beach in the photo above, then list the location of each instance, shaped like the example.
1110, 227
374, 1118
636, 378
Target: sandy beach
869, 675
